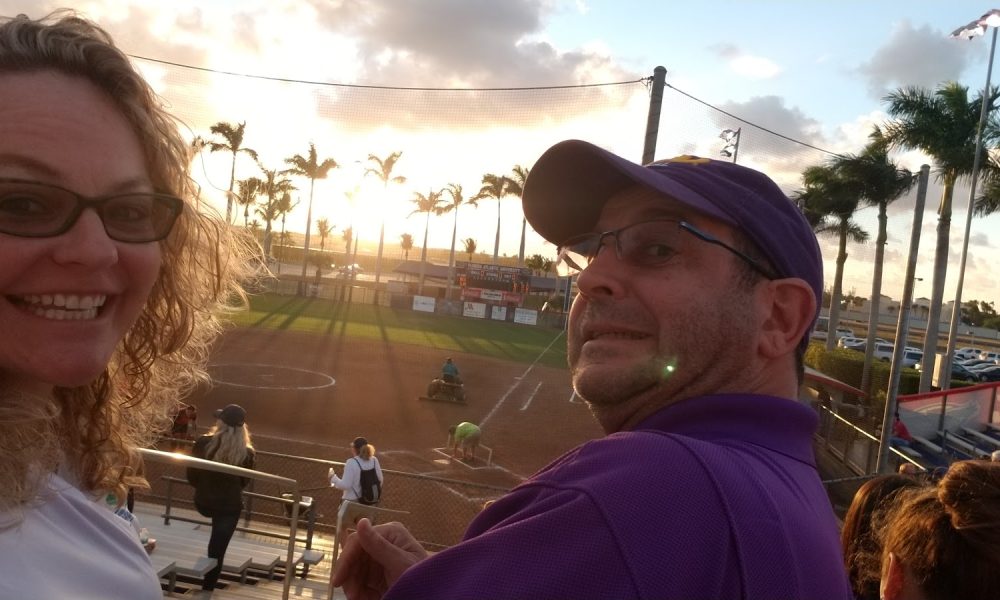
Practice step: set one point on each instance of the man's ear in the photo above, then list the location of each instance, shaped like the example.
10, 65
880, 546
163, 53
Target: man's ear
788, 308
892, 579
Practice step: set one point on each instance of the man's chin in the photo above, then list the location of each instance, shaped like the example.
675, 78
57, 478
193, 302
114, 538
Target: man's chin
611, 385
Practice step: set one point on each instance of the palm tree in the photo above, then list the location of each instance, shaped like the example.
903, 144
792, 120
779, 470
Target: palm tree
275, 188
515, 187
494, 186
943, 125
469, 246
309, 166
323, 230
534, 262
383, 170
249, 189
457, 199
427, 204
285, 206
348, 236
406, 244
882, 182
232, 136
828, 194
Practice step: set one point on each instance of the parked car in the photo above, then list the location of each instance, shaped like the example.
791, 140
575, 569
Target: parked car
843, 332
851, 343
989, 374
911, 356
959, 372
992, 356
973, 363
968, 352
354, 269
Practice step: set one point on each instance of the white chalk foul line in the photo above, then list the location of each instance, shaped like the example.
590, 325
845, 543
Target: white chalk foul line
517, 382
531, 397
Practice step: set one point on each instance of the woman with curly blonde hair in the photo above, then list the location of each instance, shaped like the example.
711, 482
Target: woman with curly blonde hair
111, 286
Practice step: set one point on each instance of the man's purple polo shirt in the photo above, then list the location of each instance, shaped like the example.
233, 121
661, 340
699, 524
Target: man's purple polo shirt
712, 497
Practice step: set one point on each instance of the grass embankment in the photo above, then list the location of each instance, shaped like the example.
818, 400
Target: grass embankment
506, 341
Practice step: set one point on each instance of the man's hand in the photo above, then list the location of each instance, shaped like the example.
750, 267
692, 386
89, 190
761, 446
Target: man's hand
374, 558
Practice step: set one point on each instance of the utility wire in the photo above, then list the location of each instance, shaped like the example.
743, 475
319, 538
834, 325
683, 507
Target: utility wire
384, 87
644, 80
762, 128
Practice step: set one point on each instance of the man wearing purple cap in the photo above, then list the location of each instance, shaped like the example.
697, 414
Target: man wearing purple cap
698, 287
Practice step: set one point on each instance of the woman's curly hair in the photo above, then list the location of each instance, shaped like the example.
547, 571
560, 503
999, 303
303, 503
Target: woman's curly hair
94, 429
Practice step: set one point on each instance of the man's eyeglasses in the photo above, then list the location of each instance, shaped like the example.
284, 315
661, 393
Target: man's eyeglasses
32, 209
650, 244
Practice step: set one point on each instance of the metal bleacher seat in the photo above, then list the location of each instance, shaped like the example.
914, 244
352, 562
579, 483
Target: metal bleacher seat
987, 442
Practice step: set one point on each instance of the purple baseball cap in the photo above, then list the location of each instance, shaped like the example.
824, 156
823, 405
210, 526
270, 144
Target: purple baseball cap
569, 184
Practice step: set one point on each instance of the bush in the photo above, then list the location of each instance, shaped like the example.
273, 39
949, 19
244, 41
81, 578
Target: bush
847, 366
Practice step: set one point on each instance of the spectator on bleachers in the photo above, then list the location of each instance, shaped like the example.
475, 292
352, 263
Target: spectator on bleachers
219, 496
111, 282
900, 433
908, 468
995, 456
362, 480
699, 284
859, 540
941, 543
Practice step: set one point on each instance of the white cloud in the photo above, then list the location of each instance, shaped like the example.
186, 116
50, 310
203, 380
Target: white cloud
754, 67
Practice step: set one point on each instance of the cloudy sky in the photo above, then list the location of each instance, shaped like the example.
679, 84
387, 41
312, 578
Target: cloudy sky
814, 72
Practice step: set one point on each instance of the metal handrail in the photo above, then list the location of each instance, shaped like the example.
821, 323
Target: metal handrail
211, 465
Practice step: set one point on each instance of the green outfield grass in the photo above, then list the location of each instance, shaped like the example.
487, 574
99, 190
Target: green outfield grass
508, 341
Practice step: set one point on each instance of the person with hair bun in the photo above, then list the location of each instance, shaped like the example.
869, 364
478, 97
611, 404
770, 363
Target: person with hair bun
858, 538
219, 495
943, 542
363, 478
112, 281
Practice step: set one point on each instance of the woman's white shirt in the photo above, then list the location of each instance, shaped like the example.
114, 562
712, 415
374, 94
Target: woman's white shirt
350, 483
70, 545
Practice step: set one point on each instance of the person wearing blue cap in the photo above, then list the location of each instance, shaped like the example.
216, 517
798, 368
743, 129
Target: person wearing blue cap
219, 496
699, 282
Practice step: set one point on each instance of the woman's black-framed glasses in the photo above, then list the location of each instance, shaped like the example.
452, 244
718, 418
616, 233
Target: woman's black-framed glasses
33, 209
650, 244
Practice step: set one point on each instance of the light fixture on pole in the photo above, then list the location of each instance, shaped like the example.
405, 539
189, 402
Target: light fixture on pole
732, 139
973, 29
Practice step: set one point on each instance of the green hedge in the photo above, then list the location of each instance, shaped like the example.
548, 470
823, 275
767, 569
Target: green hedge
847, 366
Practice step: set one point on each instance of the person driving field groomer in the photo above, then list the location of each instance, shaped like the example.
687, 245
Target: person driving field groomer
698, 288
449, 371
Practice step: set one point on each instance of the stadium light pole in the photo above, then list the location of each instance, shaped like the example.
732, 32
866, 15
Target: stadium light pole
973, 29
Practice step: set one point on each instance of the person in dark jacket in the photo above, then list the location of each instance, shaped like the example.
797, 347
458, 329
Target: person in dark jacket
217, 495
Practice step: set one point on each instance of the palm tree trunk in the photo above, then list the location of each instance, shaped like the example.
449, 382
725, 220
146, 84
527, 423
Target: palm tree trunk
305, 245
451, 257
520, 252
423, 255
876, 298
381, 244
838, 284
496, 246
937, 288
267, 239
229, 196
283, 242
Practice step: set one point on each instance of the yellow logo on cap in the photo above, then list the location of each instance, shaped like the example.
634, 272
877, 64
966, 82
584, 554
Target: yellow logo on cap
684, 158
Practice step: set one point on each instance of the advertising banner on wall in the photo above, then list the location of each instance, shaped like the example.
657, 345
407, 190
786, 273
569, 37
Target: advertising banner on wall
474, 309
423, 303
526, 316
499, 313
492, 296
